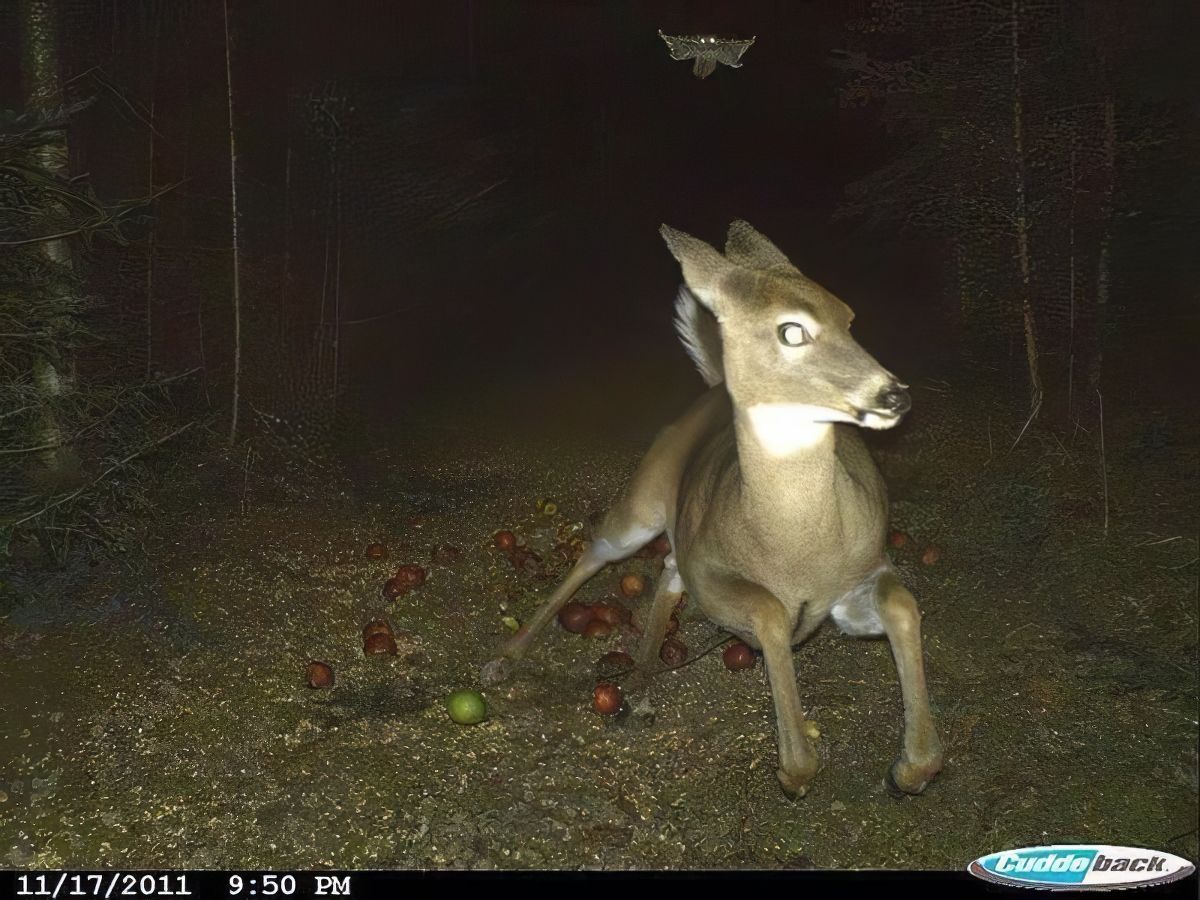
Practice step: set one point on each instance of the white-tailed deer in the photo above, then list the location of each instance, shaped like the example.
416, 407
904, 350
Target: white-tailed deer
775, 511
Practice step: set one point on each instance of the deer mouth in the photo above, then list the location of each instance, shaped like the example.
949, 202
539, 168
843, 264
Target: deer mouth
888, 409
878, 419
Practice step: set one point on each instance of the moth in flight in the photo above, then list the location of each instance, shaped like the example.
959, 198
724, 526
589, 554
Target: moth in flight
707, 51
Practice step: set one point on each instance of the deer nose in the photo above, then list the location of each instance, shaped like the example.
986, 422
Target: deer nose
894, 400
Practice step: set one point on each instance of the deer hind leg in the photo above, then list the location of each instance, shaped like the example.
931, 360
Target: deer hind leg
626, 528
880, 606
666, 596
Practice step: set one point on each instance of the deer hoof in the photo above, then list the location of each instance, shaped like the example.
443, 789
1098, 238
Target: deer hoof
906, 779
794, 786
643, 713
496, 671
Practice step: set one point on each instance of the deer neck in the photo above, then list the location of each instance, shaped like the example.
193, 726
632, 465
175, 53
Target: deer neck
786, 461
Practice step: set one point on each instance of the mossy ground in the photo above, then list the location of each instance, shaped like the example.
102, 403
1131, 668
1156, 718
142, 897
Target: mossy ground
154, 713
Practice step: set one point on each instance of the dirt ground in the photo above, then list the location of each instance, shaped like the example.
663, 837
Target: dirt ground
153, 711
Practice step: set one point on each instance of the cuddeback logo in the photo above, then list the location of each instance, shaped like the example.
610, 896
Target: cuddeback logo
1076, 866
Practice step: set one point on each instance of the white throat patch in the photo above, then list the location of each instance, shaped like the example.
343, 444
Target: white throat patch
783, 429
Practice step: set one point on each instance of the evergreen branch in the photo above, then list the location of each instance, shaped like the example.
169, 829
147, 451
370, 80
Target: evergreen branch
103, 223
145, 448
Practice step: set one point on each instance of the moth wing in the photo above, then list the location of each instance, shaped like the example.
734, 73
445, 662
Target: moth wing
730, 52
682, 47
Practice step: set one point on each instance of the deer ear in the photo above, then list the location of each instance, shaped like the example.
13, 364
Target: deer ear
703, 267
748, 247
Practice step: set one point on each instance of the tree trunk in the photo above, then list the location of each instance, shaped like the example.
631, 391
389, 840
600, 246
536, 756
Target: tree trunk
150, 242
471, 65
52, 378
1071, 296
1109, 173
1022, 218
337, 302
237, 285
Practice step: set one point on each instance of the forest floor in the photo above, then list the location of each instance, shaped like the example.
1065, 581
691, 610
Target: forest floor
154, 711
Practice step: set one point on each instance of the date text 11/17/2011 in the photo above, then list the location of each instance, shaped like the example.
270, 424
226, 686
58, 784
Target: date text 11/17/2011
112, 885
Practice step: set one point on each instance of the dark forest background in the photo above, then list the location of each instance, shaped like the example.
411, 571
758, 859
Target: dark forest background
430, 199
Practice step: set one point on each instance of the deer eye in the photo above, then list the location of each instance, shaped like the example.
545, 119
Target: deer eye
793, 334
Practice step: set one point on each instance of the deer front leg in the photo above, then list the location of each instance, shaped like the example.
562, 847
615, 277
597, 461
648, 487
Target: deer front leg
771, 628
921, 758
